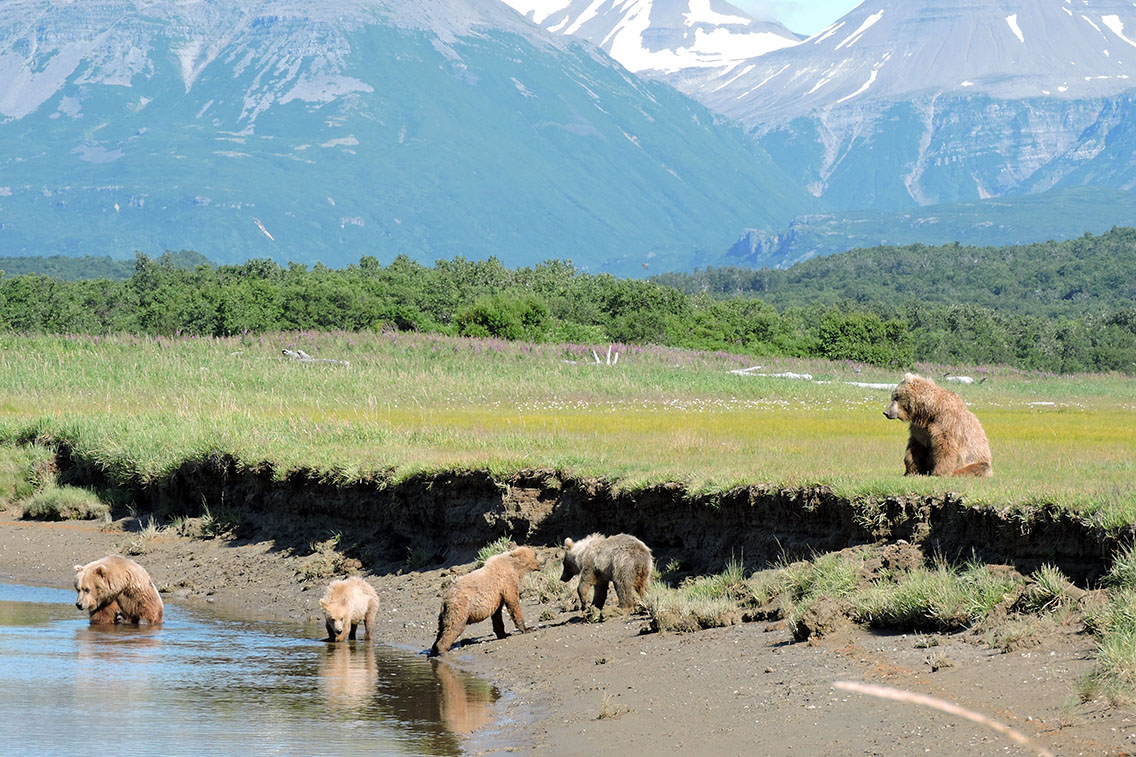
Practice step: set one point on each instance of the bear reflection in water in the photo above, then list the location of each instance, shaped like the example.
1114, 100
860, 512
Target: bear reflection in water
466, 702
348, 676
359, 680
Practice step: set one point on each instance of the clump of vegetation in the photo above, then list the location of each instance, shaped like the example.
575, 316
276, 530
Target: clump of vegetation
24, 470
545, 586
814, 595
64, 503
671, 610
939, 598
495, 547
1114, 626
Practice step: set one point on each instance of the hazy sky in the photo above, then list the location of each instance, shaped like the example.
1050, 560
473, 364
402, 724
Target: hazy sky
801, 16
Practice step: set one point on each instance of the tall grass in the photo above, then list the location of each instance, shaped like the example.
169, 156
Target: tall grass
410, 403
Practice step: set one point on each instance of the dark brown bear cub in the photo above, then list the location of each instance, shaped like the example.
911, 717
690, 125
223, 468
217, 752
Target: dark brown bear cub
946, 439
599, 560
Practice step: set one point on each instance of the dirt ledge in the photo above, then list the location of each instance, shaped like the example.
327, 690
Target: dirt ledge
445, 517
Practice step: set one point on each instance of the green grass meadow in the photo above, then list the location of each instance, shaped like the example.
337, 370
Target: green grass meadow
411, 403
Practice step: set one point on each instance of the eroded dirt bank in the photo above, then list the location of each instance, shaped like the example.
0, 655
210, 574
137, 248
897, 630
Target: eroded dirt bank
446, 517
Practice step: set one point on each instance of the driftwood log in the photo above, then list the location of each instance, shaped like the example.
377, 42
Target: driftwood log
304, 357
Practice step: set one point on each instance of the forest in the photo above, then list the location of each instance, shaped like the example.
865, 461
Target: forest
840, 311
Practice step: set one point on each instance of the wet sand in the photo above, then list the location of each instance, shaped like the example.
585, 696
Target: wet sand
572, 687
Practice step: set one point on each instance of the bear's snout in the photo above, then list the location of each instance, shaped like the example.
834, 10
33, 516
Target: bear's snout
79, 604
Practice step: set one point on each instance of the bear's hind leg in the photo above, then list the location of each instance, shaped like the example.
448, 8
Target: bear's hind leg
626, 594
369, 621
499, 622
980, 469
451, 624
599, 594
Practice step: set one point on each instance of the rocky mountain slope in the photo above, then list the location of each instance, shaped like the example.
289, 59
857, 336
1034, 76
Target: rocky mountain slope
905, 103
326, 131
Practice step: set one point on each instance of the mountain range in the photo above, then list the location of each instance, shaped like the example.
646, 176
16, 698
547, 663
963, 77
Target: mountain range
326, 131
630, 136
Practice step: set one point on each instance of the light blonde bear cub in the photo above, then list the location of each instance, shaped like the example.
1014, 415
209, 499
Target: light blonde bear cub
117, 590
347, 603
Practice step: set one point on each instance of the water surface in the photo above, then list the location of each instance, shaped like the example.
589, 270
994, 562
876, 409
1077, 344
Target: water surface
202, 685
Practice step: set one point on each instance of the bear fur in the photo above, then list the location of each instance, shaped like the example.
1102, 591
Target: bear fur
484, 593
599, 560
946, 439
347, 603
116, 589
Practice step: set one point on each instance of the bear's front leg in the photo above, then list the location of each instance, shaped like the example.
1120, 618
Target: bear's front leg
513, 603
916, 462
107, 615
351, 634
587, 580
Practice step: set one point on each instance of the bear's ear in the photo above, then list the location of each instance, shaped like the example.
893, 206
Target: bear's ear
78, 568
100, 570
567, 544
324, 603
909, 376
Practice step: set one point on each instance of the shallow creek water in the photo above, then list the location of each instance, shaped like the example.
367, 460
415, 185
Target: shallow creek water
202, 685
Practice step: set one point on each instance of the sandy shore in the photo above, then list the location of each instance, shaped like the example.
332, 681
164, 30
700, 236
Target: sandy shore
605, 688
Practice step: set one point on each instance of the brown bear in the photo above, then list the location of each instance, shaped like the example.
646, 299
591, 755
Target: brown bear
347, 603
483, 593
599, 560
946, 438
117, 590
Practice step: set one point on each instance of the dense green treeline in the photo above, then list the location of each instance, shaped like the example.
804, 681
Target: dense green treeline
1088, 275
552, 301
90, 266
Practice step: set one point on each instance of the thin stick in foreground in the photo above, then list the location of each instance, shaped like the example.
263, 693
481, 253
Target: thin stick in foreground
899, 695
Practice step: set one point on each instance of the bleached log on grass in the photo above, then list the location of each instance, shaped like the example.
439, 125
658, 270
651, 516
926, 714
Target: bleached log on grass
304, 357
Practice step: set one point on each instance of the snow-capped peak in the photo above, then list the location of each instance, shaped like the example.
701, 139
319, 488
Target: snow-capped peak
661, 37
894, 49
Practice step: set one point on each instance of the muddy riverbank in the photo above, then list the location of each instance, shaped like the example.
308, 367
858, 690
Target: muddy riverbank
607, 688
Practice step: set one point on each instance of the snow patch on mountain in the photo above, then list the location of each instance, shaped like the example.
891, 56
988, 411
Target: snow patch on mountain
1012, 22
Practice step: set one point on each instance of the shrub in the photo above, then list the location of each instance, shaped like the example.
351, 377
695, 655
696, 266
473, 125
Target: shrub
65, 503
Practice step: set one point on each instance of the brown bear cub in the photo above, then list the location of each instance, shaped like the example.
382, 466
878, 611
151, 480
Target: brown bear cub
599, 560
483, 593
946, 438
347, 603
117, 590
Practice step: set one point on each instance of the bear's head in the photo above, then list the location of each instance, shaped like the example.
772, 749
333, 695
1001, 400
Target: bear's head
909, 400
574, 554
335, 613
524, 560
571, 561
91, 585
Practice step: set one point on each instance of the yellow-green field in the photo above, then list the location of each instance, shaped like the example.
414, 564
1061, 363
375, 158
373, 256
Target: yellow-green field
411, 402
